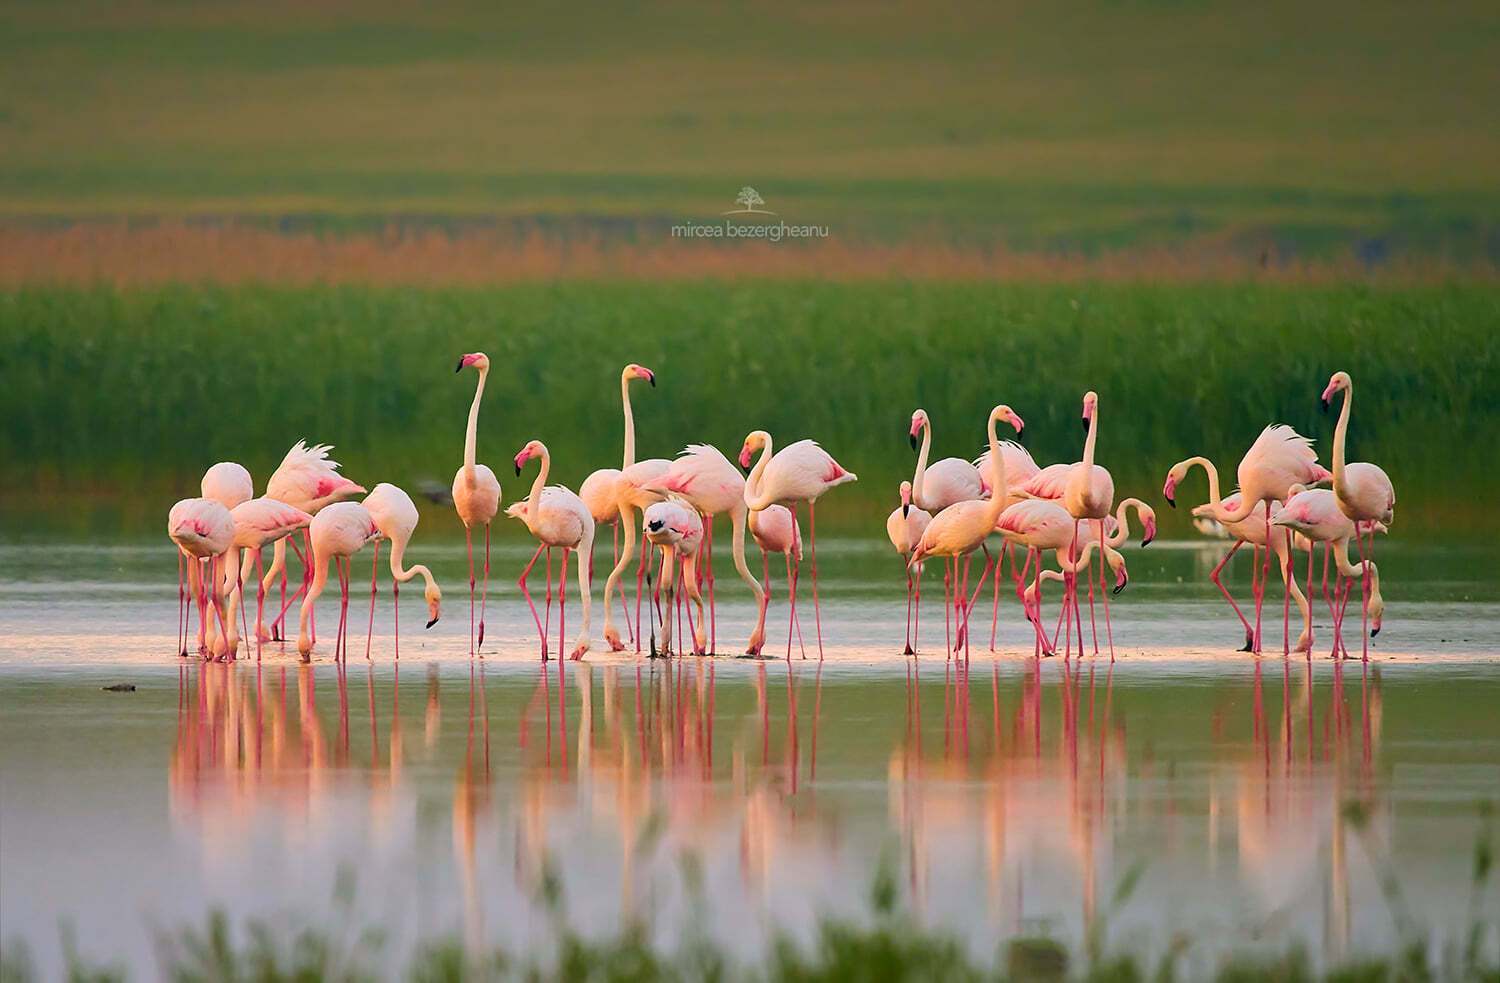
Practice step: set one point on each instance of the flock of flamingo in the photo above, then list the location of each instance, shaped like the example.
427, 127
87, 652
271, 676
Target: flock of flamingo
949, 510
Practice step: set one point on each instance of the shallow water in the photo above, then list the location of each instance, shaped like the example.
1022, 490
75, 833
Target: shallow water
1264, 800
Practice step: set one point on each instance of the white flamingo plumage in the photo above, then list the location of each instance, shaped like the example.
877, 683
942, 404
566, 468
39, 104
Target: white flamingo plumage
476, 495
257, 522
337, 532
203, 531
800, 472
677, 527
227, 483
936, 486
905, 526
395, 515
1315, 513
558, 519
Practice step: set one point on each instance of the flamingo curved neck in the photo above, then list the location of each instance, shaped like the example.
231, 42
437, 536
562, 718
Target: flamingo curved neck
402, 573
471, 436
1339, 433
737, 516
534, 500
1088, 442
752, 483
1122, 528
1220, 513
314, 589
629, 458
997, 476
921, 472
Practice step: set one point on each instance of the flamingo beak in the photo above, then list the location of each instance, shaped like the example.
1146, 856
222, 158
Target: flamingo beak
905, 509
1169, 491
1085, 421
1325, 404
460, 366
1121, 582
651, 378
744, 457
432, 622
1150, 535
913, 439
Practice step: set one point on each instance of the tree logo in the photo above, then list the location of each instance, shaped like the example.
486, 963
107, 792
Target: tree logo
750, 198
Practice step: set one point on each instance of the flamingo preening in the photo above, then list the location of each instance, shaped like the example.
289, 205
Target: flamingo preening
1363, 492
905, 526
1279, 459
395, 515
203, 530
631, 496
944, 483
962, 527
257, 522
558, 519
800, 472
476, 495
337, 532
677, 528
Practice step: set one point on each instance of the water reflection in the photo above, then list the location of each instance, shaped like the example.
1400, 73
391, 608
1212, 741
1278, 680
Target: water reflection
1018, 794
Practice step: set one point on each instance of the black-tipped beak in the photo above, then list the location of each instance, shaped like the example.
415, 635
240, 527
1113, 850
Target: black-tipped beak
1021, 436
905, 509
1375, 632
1170, 501
913, 439
518, 470
432, 622
652, 379
1145, 542
460, 366
1119, 587
1085, 421
1325, 405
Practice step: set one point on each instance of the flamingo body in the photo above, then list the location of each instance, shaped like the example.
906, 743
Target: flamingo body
228, 484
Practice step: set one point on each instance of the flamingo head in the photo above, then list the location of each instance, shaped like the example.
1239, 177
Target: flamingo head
634, 371
754, 442
433, 595
1169, 490
1148, 519
1122, 577
1377, 613
1090, 407
1294, 515
905, 498
918, 421
191, 528
1319, 473
534, 448
1339, 380
1003, 412
479, 360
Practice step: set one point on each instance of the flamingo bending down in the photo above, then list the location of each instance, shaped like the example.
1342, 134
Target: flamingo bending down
678, 528
631, 496
257, 522
905, 526
306, 479
476, 496
227, 483
944, 483
775, 531
557, 518
1314, 512
1020, 468
1279, 458
1363, 492
708, 481
1041, 524
395, 515
203, 531
962, 528
801, 472
339, 531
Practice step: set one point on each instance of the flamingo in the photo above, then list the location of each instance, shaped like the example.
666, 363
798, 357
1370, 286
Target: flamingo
257, 522
631, 496
557, 518
1031, 595
962, 527
1279, 458
678, 528
1042, 524
775, 531
476, 495
1315, 513
228, 484
905, 526
708, 481
1364, 492
801, 472
306, 479
1020, 468
339, 531
945, 483
203, 531
395, 515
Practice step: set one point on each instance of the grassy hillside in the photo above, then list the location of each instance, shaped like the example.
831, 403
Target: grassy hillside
122, 397
1084, 124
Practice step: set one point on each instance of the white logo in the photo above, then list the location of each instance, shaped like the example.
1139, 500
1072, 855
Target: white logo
748, 197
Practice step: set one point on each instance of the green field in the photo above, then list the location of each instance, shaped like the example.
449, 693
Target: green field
118, 399
1332, 129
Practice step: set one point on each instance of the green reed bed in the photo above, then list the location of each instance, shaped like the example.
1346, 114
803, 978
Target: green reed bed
119, 398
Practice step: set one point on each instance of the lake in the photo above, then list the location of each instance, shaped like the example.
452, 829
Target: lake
1185, 797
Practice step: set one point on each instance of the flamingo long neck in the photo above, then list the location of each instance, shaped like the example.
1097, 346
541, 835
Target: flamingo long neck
629, 458
1339, 434
1088, 442
534, 500
1122, 529
471, 436
402, 573
737, 516
921, 472
752, 483
997, 500
319, 581
1220, 513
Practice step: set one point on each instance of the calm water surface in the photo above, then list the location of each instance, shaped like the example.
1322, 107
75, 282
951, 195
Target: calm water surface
1263, 800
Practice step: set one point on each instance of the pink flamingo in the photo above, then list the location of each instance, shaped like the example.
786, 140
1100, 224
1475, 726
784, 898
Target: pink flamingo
476, 496
962, 527
708, 481
257, 522
1020, 468
905, 526
775, 531
678, 528
631, 496
1315, 513
228, 484
339, 531
395, 515
946, 482
309, 480
801, 472
1363, 492
1279, 458
557, 518
203, 531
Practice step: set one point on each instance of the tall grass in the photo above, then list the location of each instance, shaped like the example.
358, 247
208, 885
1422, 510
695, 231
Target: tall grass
126, 395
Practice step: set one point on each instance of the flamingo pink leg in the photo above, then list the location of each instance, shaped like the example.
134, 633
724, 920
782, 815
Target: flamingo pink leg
1286, 600
707, 573
260, 597
547, 619
1214, 576
1364, 592
989, 568
796, 574
374, 569
1104, 591
1312, 552
947, 606
640, 577
907, 649
396, 601
484, 591
469, 547
562, 607
812, 539
181, 603
277, 630
916, 622
521, 582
